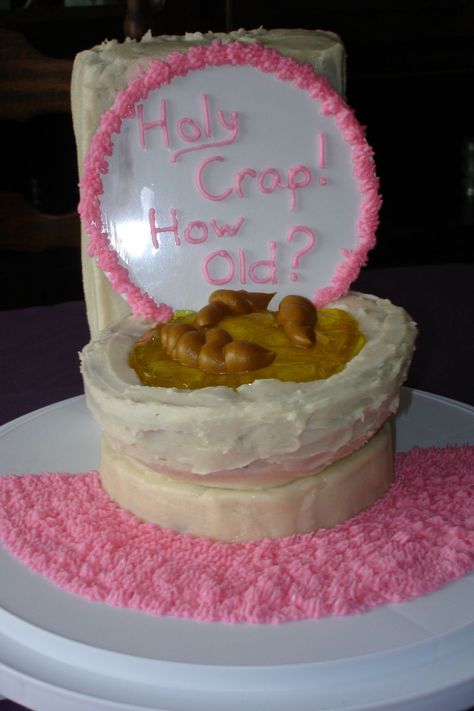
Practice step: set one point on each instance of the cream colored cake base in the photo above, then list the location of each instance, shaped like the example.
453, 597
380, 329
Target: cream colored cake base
306, 504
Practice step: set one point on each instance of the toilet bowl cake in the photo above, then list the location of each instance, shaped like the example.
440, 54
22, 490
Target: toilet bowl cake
230, 197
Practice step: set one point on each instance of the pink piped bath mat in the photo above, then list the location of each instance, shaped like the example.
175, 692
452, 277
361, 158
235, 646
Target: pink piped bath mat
417, 538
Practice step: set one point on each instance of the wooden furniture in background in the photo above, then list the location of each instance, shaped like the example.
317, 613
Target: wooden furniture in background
141, 16
25, 229
39, 224
31, 85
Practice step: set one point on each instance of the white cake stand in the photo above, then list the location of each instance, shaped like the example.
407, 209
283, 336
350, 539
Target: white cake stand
59, 652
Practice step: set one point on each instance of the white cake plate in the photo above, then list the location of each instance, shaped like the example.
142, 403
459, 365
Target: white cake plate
59, 652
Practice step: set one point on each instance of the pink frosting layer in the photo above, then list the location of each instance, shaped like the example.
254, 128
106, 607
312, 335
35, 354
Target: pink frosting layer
159, 73
261, 472
417, 538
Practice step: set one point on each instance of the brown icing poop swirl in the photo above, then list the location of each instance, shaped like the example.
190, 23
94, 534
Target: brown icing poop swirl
297, 316
225, 302
212, 349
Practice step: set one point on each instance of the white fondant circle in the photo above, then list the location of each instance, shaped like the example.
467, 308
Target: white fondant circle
230, 176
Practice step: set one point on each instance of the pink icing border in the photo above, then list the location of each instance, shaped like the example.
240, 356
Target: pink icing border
159, 73
414, 540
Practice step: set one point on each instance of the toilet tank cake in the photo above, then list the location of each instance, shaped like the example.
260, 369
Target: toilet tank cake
101, 72
229, 199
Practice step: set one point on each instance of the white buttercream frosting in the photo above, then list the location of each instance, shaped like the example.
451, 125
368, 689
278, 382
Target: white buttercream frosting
236, 514
262, 432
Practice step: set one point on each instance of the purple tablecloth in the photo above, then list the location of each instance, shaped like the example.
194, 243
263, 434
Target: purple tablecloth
39, 346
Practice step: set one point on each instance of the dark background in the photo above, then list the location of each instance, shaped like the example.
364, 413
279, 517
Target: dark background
410, 80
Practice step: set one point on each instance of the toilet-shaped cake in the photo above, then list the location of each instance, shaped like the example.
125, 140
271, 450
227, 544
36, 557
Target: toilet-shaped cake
230, 197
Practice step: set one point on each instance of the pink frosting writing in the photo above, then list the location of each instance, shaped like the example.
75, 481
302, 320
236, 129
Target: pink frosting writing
232, 126
310, 239
188, 129
267, 181
260, 271
197, 137
162, 123
195, 232
240, 177
321, 150
200, 180
167, 229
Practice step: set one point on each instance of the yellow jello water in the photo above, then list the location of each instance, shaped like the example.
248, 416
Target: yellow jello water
338, 340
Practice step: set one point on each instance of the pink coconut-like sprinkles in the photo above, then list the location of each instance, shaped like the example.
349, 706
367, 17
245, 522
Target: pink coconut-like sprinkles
417, 538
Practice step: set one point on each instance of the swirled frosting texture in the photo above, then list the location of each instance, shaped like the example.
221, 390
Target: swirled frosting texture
261, 433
